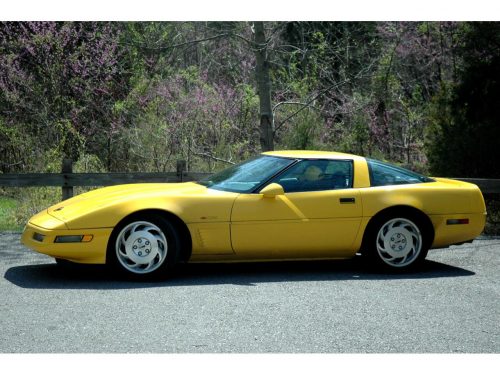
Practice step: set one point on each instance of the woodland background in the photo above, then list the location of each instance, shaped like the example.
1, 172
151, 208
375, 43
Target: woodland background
137, 96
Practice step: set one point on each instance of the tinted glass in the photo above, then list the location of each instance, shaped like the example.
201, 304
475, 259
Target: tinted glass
315, 175
245, 177
382, 174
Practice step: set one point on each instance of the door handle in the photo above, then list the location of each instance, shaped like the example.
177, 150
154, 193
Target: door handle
347, 200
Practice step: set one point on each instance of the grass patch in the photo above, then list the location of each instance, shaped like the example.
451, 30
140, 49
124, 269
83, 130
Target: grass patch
33, 200
17, 206
8, 206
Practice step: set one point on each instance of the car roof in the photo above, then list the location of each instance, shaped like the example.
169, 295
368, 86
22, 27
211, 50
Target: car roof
310, 154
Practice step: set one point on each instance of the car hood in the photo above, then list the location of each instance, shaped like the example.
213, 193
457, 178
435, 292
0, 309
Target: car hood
120, 196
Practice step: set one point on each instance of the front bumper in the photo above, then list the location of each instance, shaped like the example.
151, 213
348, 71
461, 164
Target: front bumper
42, 240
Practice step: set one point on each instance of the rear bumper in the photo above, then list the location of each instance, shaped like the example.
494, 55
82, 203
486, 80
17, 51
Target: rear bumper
446, 234
42, 240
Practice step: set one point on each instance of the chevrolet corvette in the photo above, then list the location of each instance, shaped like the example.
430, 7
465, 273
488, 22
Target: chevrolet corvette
281, 205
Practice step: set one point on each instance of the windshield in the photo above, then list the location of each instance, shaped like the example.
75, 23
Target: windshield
245, 177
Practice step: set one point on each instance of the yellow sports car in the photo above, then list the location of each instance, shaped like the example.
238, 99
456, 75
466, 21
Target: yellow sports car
278, 205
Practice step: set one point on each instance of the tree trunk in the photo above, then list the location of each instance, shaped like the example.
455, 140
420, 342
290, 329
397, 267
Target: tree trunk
266, 129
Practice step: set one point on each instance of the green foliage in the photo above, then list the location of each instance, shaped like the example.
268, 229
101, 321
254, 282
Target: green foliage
304, 134
15, 147
58, 83
187, 118
25, 202
30, 201
464, 135
7, 208
139, 95
493, 219
352, 132
89, 163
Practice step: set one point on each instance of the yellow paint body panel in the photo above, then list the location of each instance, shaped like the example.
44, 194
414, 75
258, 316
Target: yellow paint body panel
210, 239
441, 200
307, 224
206, 213
105, 207
227, 226
450, 234
93, 252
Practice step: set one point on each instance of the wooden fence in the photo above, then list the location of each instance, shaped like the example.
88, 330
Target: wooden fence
67, 179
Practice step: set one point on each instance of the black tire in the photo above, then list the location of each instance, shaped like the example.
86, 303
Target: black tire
144, 247
396, 243
67, 265
63, 262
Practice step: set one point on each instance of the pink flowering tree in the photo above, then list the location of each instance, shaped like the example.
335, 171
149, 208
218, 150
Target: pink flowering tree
58, 83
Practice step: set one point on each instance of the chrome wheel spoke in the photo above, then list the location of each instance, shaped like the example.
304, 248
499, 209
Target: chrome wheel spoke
141, 247
135, 227
152, 263
123, 243
399, 242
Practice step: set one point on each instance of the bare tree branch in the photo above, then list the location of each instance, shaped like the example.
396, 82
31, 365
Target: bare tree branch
164, 48
194, 41
210, 156
307, 103
294, 103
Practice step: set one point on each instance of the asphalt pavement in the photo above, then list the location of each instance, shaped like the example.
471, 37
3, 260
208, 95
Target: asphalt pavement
452, 305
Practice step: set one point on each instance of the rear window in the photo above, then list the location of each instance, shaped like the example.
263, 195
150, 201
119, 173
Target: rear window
383, 174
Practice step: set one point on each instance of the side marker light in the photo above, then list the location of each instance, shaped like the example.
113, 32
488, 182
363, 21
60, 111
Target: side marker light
457, 221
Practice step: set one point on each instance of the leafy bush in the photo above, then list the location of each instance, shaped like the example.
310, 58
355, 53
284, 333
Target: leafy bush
463, 140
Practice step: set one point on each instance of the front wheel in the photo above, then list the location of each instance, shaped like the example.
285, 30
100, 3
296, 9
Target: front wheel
144, 247
397, 243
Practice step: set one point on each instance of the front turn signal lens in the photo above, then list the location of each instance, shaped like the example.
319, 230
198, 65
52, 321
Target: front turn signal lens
87, 237
77, 238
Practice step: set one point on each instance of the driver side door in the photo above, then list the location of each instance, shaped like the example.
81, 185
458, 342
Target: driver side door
318, 215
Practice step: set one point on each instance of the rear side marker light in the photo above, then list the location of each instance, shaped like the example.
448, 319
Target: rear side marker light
457, 221
69, 239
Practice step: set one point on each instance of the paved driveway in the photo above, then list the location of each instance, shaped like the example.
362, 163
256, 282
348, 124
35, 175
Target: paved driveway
452, 305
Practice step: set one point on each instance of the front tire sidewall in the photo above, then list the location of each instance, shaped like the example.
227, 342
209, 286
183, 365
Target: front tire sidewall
375, 249
164, 270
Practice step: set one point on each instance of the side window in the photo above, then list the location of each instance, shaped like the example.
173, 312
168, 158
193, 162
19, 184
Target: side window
315, 175
383, 174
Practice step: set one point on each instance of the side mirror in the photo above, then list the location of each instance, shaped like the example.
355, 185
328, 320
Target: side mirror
272, 190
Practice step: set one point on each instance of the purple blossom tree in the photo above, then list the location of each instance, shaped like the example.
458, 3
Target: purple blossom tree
59, 80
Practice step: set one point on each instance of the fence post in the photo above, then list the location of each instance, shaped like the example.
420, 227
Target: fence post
181, 168
67, 168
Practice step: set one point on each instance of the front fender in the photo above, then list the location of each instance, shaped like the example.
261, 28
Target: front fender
211, 207
110, 215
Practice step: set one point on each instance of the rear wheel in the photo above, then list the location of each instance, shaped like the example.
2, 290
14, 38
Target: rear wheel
144, 247
397, 243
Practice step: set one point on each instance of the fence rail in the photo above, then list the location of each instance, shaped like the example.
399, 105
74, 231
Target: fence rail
487, 185
67, 179
93, 179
